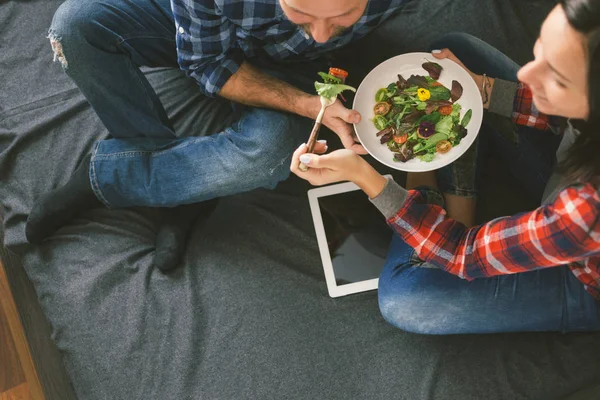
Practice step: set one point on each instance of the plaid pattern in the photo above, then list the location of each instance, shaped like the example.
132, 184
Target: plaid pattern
564, 232
525, 113
214, 37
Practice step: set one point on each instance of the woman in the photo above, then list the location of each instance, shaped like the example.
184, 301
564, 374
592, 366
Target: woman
536, 271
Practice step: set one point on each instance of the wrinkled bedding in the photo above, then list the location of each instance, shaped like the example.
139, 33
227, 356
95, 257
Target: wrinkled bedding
247, 316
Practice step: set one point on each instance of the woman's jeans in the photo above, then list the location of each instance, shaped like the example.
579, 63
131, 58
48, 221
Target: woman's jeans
418, 297
101, 46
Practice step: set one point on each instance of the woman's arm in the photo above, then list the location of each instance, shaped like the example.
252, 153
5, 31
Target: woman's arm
559, 233
510, 99
565, 231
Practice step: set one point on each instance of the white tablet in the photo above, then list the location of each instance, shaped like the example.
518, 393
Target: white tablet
353, 238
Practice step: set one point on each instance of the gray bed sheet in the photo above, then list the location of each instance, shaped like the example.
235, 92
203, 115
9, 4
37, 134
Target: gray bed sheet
248, 315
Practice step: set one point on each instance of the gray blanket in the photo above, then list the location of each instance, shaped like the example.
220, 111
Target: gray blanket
248, 315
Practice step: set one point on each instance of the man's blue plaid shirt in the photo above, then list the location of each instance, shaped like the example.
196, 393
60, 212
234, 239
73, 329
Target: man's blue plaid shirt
214, 37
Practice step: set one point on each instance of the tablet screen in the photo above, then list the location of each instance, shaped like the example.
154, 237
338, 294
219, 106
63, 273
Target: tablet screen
357, 236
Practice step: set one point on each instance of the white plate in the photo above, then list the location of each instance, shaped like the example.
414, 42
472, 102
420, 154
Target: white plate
407, 65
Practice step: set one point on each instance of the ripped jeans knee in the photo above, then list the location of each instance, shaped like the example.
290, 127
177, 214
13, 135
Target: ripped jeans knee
57, 49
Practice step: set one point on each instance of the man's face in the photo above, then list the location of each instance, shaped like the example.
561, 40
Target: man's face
323, 19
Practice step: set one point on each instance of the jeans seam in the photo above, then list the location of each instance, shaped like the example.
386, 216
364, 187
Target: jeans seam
136, 153
94, 178
135, 72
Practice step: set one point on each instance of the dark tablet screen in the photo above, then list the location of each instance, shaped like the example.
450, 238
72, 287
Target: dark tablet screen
357, 236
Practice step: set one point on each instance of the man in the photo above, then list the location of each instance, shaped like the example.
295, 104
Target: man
244, 51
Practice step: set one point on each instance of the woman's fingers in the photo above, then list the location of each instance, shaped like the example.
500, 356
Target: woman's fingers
446, 53
310, 174
443, 53
320, 147
301, 156
296, 158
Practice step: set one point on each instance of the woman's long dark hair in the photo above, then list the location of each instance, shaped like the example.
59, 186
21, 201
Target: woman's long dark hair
583, 159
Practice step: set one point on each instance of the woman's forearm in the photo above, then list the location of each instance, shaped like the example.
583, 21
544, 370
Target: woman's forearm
369, 180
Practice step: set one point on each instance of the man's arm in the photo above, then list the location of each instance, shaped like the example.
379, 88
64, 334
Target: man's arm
207, 51
254, 88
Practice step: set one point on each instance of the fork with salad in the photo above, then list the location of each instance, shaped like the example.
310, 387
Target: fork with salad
332, 86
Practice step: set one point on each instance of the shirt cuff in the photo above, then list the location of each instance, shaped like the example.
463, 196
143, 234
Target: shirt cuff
214, 76
503, 97
391, 199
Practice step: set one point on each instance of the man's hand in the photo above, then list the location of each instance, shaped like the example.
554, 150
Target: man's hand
254, 88
339, 119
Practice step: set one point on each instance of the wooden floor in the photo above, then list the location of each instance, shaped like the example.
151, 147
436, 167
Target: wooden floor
18, 377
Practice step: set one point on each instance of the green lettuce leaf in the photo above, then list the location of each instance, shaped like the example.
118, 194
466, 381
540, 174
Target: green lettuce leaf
427, 157
330, 91
439, 93
445, 125
456, 111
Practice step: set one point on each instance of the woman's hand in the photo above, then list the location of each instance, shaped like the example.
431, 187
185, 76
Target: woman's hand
340, 165
486, 92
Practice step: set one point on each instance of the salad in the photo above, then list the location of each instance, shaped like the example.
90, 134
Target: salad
419, 117
333, 84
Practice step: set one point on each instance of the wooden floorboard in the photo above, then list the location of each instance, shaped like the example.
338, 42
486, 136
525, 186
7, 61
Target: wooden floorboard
20, 392
53, 377
11, 372
19, 342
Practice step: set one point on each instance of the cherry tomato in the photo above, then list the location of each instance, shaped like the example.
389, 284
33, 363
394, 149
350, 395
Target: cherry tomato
445, 110
380, 122
381, 95
382, 108
443, 146
400, 139
338, 73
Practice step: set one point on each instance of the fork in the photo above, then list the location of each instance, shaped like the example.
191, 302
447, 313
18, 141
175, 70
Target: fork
314, 135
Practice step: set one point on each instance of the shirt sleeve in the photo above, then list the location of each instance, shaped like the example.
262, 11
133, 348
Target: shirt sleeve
559, 233
206, 44
514, 100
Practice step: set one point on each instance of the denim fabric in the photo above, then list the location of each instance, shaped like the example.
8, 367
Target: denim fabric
528, 154
417, 297
102, 45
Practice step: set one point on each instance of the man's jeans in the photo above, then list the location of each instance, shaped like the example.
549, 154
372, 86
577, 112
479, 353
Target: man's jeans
101, 46
420, 298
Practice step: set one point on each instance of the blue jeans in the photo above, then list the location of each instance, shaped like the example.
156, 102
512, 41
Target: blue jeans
420, 298
102, 45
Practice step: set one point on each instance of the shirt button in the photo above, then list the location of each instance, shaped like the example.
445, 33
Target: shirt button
306, 36
181, 30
